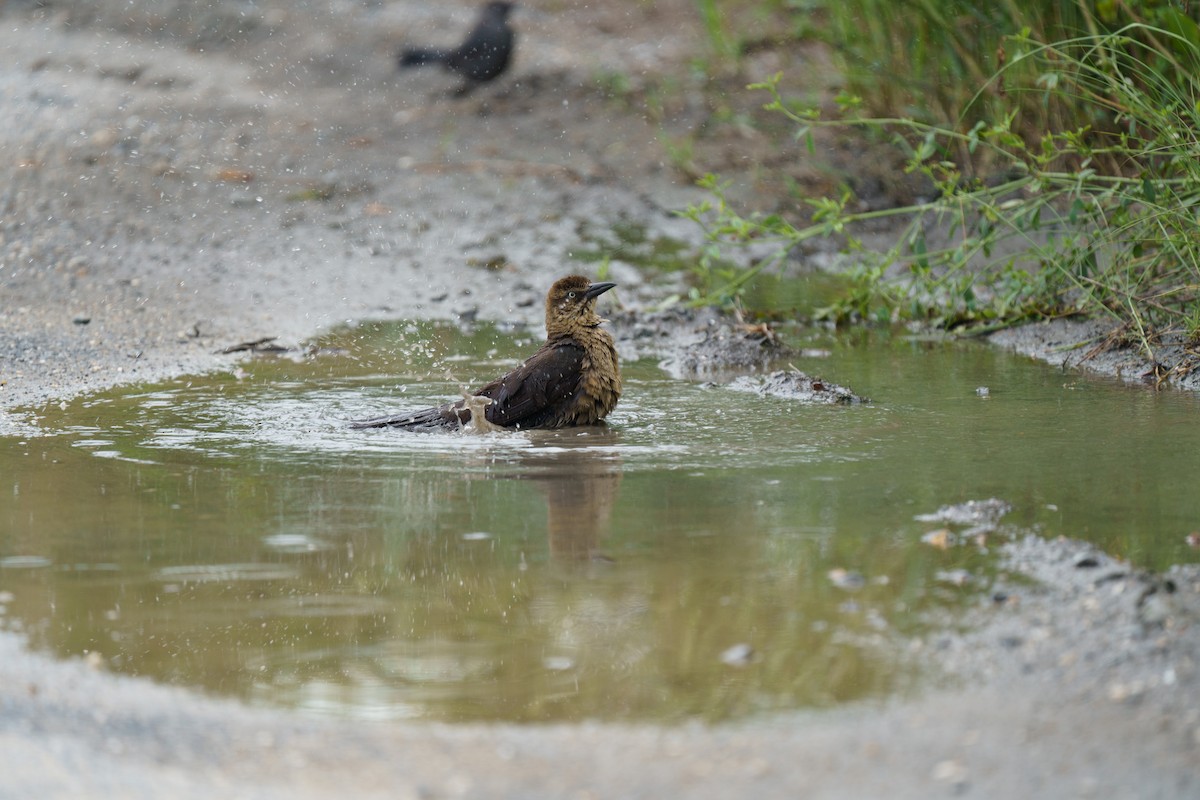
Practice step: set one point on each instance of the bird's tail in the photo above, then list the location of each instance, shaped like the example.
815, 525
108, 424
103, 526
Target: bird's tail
426, 419
419, 57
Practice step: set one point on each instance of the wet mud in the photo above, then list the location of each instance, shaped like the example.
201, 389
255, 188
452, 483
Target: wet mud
1099, 346
792, 384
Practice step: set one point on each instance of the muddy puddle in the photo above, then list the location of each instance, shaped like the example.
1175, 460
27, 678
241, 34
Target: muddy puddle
711, 554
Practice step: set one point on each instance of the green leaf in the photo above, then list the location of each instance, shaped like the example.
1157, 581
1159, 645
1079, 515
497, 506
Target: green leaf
928, 147
846, 102
1076, 209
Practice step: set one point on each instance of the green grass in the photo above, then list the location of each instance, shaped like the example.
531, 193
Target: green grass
1064, 173
955, 62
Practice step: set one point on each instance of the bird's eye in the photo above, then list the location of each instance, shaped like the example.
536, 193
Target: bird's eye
571, 295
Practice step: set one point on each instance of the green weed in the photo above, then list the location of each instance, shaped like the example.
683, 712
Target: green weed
1099, 218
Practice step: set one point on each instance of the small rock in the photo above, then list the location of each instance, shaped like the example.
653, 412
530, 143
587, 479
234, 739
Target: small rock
558, 663
1154, 605
941, 538
977, 513
950, 771
846, 579
955, 577
795, 385
739, 655
1122, 692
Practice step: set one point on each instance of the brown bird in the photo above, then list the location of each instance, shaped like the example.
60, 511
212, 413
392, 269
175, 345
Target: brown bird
573, 379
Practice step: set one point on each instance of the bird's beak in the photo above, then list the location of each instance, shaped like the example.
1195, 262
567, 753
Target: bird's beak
597, 289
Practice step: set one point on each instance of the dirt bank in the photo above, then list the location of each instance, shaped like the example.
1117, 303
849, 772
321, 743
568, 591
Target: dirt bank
1098, 346
176, 182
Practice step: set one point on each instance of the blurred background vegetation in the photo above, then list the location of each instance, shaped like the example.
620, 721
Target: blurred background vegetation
1054, 146
946, 61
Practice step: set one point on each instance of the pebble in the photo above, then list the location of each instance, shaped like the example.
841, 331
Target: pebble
739, 655
558, 663
846, 579
950, 771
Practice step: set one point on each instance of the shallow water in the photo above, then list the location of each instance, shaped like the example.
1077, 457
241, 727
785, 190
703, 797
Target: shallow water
710, 554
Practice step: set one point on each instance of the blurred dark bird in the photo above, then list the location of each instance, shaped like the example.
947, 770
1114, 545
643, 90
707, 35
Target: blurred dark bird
483, 56
573, 379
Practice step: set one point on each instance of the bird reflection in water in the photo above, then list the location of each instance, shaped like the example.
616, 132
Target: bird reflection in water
579, 473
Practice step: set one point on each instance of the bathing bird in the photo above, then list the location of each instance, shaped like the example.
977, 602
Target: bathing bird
572, 379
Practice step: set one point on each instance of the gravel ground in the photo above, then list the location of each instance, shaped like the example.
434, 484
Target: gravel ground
161, 203
178, 181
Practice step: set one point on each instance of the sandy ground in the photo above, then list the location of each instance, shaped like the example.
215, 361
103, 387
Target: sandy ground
179, 178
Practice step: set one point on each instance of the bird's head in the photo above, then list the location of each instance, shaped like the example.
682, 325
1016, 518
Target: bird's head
571, 303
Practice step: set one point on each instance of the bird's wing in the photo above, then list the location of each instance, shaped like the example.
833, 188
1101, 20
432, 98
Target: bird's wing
529, 395
424, 419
